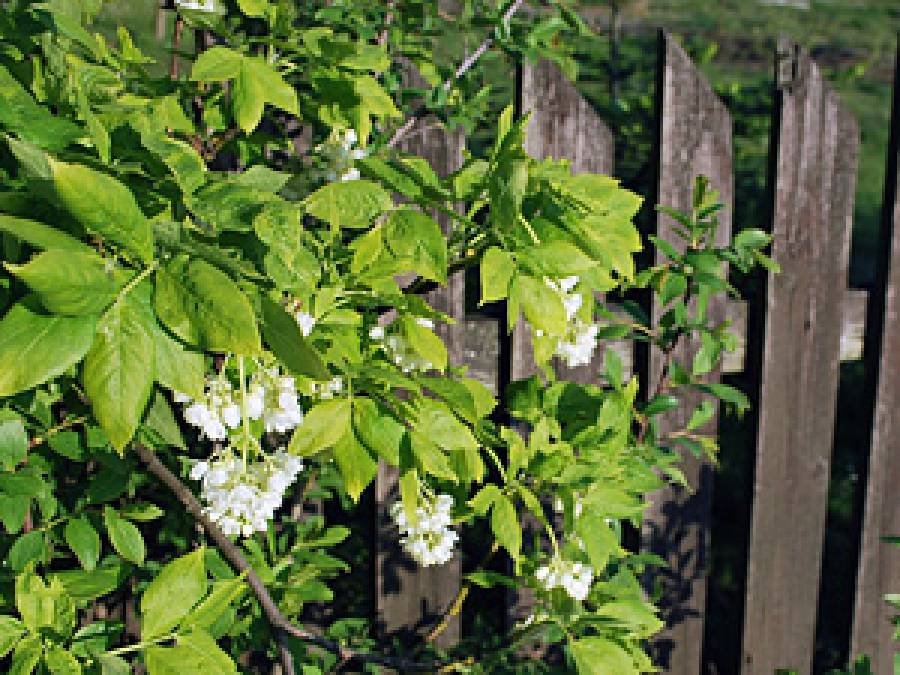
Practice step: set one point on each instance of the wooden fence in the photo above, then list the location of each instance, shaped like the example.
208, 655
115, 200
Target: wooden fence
806, 322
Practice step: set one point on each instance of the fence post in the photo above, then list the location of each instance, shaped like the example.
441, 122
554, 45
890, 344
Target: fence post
562, 126
814, 185
410, 598
879, 563
694, 139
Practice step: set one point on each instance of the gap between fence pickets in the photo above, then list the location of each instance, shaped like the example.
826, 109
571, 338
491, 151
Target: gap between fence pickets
852, 329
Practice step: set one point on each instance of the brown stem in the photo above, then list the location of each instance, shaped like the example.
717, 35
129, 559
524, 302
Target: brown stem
234, 555
463, 68
388, 20
661, 384
176, 45
455, 607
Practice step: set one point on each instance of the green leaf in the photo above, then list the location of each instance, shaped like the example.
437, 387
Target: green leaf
600, 541
26, 656
41, 236
142, 512
322, 427
275, 90
11, 631
488, 579
61, 662
13, 511
178, 368
249, 98
13, 443
202, 305
634, 614
505, 526
71, 282
612, 367
703, 414
287, 342
424, 342
377, 430
30, 547
35, 348
222, 596
438, 423
599, 656
119, 369
161, 420
661, 403
172, 594
484, 499
124, 536
410, 234
84, 541
44, 606
110, 664
351, 204
432, 460
216, 64
542, 305
497, 269
254, 8
707, 356
86, 586
105, 206
723, 391
356, 465
195, 652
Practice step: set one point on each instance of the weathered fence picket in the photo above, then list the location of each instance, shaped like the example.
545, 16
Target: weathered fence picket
879, 563
562, 126
410, 598
815, 179
694, 139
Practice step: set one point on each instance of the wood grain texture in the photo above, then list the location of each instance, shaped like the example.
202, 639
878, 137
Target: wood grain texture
563, 126
410, 598
695, 139
815, 181
879, 562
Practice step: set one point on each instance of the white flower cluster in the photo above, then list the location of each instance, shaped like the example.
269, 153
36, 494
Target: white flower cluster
427, 538
197, 5
574, 577
340, 155
577, 347
326, 390
305, 321
241, 498
398, 349
270, 396
281, 410
218, 411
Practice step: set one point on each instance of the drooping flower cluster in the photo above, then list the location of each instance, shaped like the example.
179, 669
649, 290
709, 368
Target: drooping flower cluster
281, 410
427, 537
340, 155
576, 348
574, 577
270, 397
241, 498
216, 412
397, 348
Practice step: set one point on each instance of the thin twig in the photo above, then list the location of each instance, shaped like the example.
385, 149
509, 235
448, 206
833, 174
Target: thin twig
176, 45
234, 555
463, 68
388, 20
